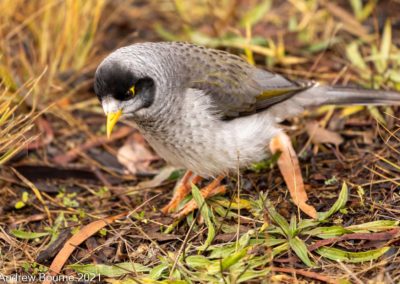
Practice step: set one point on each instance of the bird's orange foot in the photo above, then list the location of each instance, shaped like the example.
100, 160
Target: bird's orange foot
214, 188
182, 190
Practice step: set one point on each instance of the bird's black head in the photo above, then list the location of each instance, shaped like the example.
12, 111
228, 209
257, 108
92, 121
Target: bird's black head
119, 88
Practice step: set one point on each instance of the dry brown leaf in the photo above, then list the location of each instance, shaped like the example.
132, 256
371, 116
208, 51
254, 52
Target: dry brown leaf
288, 164
134, 155
83, 234
320, 135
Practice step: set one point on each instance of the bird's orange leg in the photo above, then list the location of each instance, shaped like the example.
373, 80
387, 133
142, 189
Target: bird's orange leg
182, 190
210, 190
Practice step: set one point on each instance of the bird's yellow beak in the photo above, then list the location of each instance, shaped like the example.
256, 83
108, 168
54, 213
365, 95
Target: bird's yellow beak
112, 119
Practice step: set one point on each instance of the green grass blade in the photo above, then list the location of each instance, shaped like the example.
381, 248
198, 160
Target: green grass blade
293, 226
307, 223
255, 14
280, 249
251, 274
158, 271
198, 261
206, 214
352, 257
279, 220
300, 248
374, 111
355, 57
339, 204
115, 270
374, 226
386, 45
28, 235
233, 259
327, 232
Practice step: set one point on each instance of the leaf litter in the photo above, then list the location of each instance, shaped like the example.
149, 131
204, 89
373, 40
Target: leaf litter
267, 238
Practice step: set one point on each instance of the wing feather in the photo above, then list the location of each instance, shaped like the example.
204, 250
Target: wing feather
236, 87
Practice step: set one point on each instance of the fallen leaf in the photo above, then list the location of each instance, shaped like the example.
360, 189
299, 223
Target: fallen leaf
288, 164
134, 155
320, 135
83, 234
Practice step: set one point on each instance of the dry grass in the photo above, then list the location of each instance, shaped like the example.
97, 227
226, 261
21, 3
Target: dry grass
45, 46
48, 52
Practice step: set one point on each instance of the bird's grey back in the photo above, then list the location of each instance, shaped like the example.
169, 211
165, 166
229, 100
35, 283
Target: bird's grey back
233, 83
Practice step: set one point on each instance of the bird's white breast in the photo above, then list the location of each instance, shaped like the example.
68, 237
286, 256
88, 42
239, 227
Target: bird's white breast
198, 140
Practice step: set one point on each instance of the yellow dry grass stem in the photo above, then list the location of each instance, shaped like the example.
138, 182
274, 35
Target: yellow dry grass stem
58, 34
13, 128
40, 39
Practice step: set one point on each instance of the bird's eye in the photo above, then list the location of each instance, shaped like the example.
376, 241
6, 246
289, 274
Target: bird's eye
132, 91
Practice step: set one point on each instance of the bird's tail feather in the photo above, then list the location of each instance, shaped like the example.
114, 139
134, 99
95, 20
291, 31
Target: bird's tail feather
337, 95
319, 95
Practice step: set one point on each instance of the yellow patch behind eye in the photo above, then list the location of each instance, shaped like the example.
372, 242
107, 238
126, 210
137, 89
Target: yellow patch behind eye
132, 90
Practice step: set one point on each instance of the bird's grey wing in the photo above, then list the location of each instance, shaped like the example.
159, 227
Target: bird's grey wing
236, 87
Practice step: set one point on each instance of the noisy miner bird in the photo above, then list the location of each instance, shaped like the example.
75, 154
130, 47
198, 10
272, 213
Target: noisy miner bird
207, 110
